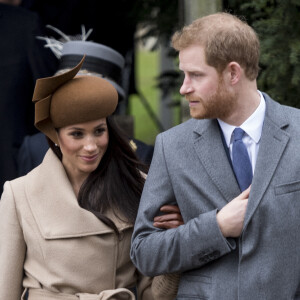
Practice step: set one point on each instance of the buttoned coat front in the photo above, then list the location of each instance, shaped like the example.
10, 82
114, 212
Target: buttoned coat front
59, 246
190, 167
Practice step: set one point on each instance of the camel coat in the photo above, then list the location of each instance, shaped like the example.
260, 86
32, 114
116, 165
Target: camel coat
48, 242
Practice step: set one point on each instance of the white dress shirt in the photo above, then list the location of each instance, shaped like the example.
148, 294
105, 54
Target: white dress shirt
252, 127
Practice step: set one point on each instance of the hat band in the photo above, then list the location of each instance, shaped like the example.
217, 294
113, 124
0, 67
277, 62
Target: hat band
93, 64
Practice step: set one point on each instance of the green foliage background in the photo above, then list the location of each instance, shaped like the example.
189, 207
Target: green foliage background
146, 72
159, 19
278, 26
277, 23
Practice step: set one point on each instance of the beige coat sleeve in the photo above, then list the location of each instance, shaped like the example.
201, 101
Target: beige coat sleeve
165, 286
144, 291
12, 248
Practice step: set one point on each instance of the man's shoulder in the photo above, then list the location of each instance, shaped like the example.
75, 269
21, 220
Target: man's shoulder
277, 111
183, 128
180, 136
291, 111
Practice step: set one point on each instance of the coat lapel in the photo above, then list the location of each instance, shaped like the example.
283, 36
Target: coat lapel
274, 140
54, 204
212, 154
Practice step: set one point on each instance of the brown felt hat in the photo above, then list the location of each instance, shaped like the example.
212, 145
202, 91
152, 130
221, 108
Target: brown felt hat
64, 100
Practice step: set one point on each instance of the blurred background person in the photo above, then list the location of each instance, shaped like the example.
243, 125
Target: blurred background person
23, 60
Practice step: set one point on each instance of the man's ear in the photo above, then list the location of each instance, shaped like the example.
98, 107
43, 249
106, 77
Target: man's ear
234, 72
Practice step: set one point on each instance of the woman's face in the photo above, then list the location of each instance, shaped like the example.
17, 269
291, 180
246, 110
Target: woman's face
83, 146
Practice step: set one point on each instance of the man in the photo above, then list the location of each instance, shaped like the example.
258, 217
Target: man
238, 242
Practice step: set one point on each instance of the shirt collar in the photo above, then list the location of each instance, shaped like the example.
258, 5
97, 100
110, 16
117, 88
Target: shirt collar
252, 126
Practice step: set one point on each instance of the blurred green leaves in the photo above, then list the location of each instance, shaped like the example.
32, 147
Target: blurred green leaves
277, 23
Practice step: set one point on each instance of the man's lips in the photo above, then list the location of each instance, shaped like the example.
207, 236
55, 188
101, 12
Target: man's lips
193, 103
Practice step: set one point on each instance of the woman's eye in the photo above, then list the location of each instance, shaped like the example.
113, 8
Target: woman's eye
99, 131
76, 134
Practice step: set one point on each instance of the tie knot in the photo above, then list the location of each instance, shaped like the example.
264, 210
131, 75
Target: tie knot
238, 133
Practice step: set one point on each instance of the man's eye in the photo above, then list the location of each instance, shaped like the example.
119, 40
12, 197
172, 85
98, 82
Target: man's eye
195, 75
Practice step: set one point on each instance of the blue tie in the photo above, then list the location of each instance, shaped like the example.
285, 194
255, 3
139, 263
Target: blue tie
240, 160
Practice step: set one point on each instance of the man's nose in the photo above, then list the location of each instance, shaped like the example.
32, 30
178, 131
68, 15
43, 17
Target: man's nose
186, 87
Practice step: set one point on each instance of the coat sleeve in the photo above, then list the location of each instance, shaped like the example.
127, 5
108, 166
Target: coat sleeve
156, 251
12, 248
165, 286
157, 288
144, 287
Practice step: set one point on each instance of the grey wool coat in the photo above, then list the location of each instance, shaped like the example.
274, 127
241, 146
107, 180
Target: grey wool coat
53, 247
190, 167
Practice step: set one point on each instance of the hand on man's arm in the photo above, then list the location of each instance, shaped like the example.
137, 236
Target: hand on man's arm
195, 243
231, 217
171, 217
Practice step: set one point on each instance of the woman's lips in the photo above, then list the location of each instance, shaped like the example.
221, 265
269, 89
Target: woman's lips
89, 158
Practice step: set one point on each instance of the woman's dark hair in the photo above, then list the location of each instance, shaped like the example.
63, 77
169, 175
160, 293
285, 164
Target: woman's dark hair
117, 183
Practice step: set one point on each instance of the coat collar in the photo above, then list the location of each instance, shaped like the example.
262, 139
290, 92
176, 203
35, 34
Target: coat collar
274, 140
212, 154
54, 205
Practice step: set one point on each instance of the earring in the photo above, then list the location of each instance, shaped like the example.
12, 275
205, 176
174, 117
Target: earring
56, 145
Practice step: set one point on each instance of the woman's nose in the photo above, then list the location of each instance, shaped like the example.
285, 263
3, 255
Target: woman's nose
90, 144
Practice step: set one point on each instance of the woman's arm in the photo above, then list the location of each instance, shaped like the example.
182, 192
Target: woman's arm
166, 286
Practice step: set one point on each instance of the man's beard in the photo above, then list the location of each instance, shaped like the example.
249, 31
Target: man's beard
218, 106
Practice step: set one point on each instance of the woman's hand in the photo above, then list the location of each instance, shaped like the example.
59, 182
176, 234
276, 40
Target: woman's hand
170, 219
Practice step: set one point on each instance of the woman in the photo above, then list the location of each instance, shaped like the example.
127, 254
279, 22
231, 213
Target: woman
65, 227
